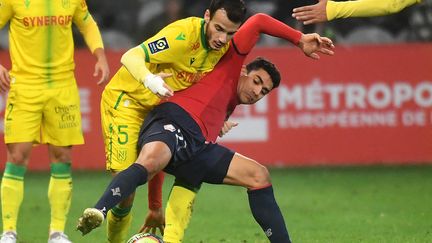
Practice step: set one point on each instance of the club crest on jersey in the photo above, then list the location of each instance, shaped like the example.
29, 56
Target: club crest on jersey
66, 3
169, 127
158, 45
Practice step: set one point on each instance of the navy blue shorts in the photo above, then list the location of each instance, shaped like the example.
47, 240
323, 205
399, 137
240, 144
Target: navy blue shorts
193, 160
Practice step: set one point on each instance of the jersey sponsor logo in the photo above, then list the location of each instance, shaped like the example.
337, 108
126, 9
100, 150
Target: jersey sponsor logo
181, 36
195, 46
190, 77
158, 45
62, 20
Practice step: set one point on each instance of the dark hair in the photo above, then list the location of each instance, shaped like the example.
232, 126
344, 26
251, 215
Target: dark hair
268, 66
235, 9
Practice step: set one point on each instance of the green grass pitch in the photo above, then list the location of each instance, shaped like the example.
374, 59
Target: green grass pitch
343, 204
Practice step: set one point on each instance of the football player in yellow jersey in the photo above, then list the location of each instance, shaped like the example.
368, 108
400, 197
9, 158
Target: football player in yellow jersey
326, 10
174, 59
43, 100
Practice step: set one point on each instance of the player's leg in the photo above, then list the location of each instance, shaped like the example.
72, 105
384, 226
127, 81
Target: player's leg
246, 172
179, 211
22, 128
209, 165
121, 119
59, 189
12, 187
60, 129
153, 158
156, 145
119, 220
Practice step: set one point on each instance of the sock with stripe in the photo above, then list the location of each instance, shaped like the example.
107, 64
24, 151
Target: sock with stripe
60, 195
12, 194
178, 211
118, 224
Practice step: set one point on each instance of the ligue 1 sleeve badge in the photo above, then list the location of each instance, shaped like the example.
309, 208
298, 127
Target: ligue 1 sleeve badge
158, 45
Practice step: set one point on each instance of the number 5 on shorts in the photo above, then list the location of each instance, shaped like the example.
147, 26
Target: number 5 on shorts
122, 135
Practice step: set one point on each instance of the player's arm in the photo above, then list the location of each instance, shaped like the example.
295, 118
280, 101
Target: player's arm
326, 10
247, 36
249, 33
92, 36
5, 15
134, 60
155, 218
161, 48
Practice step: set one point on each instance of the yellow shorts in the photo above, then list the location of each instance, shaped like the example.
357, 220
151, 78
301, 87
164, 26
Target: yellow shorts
122, 118
49, 116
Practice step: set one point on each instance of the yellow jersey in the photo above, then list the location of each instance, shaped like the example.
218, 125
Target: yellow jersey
41, 43
365, 8
179, 49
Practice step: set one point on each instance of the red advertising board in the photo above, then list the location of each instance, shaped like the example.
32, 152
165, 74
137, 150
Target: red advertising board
365, 105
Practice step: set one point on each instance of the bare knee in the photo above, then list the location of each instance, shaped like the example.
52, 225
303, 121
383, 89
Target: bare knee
18, 153
154, 157
60, 154
17, 158
260, 177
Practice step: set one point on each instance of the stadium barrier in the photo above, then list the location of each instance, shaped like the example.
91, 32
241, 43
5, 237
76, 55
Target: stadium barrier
365, 105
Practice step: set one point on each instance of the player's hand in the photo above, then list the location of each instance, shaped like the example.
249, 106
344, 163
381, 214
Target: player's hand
313, 43
311, 14
155, 220
157, 85
4, 79
228, 125
101, 66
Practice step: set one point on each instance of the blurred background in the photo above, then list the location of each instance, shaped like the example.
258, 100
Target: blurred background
128, 23
352, 132
371, 103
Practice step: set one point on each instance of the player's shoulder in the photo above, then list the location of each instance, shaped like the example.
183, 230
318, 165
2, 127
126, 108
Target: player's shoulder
189, 26
182, 32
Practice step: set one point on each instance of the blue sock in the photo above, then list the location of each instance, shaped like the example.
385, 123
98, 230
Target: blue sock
121, 186
268, 215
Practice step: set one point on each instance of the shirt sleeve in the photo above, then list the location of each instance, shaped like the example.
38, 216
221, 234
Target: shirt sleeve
134, 61
165, 47
248, 34
155, 191
365, 8
88, 27
6, 12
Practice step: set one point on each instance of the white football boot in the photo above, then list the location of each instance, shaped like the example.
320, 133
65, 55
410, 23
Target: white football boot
91, 219
8, 237
58, 237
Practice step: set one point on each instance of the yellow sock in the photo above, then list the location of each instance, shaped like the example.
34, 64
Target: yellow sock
118, 223
178, 213
12, 194
59, 195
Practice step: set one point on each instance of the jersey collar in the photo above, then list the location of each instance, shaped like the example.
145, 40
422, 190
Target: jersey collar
203, 36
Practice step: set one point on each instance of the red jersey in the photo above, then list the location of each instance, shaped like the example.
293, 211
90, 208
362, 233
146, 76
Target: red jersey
215, 95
